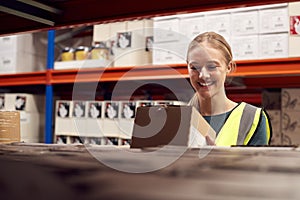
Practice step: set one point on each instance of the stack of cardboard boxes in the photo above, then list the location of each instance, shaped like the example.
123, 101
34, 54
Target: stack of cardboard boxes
31, 111
98, 122
23, 53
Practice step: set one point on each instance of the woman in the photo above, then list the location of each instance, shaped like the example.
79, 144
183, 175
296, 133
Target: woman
209, 60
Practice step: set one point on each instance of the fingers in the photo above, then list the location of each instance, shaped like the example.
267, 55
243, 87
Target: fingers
209, 141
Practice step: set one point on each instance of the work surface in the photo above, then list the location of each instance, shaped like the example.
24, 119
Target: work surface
40, 171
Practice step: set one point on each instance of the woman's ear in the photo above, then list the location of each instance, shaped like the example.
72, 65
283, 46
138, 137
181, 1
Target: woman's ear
231, 67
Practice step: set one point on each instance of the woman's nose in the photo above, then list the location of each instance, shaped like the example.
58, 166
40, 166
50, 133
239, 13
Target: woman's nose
203, 73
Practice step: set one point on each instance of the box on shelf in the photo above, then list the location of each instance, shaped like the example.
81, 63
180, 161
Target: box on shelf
274, 45
290, 127
294, 39
274, 20
9, 126
129, 40
171, 125
290, 99
169, 53
271, 100
101, 32
15, 62
64, 125
275, 119
219, 23
17, 43
166, 29
245, 47
94, 121
126, 120
192, 26
24, 102
111, 118
32, 125
245, 23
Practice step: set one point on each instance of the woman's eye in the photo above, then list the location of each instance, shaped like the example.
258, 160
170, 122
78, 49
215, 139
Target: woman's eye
194, 68
211, 67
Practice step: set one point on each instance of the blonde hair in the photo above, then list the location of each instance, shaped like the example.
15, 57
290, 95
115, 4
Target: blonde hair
216, 41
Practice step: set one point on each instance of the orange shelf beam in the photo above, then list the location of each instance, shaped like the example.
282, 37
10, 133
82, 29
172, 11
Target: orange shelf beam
28, 78
119, 74
268, 67
283, 72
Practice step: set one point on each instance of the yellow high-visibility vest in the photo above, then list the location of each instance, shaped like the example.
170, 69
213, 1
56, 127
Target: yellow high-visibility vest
241, 125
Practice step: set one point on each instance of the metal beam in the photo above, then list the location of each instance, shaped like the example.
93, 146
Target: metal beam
31, 10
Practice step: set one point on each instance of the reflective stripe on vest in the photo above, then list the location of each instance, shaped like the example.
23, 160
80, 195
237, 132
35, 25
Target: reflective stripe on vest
238, 128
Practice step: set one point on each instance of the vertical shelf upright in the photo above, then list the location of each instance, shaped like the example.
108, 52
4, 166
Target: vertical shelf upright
49, 89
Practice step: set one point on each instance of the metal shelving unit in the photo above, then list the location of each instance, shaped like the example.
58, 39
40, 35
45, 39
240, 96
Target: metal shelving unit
268, 73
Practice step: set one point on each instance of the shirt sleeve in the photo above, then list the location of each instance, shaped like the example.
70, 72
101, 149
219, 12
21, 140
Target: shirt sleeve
260, 135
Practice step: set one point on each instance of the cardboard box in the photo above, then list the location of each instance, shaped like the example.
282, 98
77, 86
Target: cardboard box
245, 47
290, 127
32, 127
192, 26
274, 20
9, 126
111, 118
94, 120
271, 100
166, 29
169, 53
290, 99
275, 118
171, 125
14, 62
17, 43
126, 120
274, 46
294, 40
24, 102
245, 23
130, 39
219, 23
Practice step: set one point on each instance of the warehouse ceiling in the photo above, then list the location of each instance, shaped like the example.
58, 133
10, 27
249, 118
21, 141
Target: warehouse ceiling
19, 16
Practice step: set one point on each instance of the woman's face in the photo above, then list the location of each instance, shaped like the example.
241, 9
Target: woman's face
207, 71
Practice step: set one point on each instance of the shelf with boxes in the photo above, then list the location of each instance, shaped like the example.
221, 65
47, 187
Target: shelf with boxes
98, 122
262, 73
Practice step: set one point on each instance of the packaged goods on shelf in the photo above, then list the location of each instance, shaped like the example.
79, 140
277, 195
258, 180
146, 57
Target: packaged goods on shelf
170, 44
98, 122
290, 99
191, 26
169, 53
219, 23
22, 53
170, 125
273, 45
9, 126
274, 20
245, 23
63, 118
94, 121
32, 110
126, 120
245, 47
271, 100
290, 127
294, 39
111, 117
130, 41
275, 119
